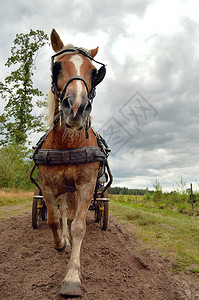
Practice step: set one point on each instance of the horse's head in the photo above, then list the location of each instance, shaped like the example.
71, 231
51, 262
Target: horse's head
74, 78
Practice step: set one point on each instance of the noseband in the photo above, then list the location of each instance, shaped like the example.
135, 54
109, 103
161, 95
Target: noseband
60, 96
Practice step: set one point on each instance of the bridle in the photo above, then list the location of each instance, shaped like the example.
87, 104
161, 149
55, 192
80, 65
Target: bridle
90, 94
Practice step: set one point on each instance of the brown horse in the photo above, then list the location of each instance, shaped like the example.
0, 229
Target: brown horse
71, 186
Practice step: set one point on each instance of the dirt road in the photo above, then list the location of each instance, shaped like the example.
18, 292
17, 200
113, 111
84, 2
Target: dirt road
113, 264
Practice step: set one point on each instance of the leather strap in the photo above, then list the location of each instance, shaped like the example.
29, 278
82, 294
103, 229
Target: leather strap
77, 77
69, 157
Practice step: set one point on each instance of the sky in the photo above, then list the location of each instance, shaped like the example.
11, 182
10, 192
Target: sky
147, 106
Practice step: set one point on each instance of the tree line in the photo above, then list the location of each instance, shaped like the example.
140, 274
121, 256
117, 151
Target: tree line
127, 191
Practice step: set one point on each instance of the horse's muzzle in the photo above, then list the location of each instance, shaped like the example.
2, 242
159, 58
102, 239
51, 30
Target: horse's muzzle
75, 112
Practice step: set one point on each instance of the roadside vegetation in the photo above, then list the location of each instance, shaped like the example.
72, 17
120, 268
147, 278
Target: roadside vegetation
14, 167
179, 200
14, 197
164, 221
14, 203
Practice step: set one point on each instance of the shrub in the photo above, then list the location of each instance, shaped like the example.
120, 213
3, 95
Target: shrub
120, 197
147, 196
14, 167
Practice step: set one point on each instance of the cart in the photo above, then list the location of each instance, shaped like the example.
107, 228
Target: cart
39, 209
99, 203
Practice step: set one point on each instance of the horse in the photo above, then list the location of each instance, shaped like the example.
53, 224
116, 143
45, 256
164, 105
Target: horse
71, 186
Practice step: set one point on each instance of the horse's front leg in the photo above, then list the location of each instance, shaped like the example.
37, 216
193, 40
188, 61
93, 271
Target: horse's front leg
65, 229
53, 219
71, 285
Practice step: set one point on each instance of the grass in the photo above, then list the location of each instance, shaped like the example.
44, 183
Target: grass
16, 197
14, 202
176, 202
174, 234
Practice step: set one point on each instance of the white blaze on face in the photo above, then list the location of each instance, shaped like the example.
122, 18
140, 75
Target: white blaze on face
77, 61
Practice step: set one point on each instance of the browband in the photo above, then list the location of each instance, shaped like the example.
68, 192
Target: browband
75, 49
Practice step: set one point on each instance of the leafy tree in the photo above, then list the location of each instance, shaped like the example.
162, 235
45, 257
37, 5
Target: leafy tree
18, 91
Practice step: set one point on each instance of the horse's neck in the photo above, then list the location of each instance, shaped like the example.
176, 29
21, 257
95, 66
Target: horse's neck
61, 137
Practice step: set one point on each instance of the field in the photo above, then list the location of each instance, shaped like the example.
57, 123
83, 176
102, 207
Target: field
174, 234
14, 203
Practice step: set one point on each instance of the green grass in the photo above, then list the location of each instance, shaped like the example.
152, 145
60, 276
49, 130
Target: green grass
175, 202
14, 203
174, 234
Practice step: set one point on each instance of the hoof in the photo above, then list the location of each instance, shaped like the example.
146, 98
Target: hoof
68, 248
70, 289
61, 247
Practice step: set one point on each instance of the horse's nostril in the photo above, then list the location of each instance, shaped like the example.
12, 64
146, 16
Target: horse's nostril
87, 109
66, 104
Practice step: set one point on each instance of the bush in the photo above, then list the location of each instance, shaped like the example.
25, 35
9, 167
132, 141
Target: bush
120, 197
157, 195
147, 196
15, 167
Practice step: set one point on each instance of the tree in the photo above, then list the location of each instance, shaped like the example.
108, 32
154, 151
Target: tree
18, 91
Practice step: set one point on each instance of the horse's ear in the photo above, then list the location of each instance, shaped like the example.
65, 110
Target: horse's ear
94, 52
56, 42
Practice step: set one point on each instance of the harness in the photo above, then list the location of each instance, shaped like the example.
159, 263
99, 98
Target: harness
71, 156
81, 155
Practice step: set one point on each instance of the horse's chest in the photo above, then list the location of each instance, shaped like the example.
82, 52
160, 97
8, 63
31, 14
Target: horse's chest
61, 178
58, 177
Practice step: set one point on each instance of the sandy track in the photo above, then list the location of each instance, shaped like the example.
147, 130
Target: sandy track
113, 265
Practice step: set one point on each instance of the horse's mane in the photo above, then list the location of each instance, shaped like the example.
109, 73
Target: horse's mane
51, 101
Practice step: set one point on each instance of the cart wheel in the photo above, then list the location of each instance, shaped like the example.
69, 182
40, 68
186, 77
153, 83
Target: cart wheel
103, 212
36, 214
97, 214
44, 213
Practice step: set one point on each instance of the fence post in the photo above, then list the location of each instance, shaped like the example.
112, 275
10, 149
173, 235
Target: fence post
191, 195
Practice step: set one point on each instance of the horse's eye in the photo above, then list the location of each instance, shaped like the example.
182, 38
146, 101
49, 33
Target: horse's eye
56, 70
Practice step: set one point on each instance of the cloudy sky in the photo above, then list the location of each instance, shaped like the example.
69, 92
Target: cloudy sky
147, 107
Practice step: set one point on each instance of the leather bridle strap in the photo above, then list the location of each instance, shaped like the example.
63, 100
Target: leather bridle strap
75, 49
59, 96
76, 77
